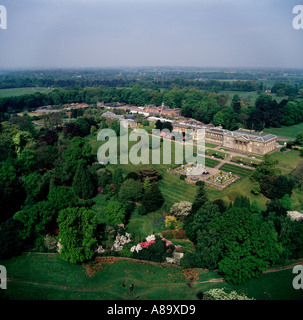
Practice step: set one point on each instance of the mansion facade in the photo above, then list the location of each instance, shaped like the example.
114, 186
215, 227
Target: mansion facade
242, 140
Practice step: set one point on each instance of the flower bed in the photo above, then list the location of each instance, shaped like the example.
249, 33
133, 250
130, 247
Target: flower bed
221, 178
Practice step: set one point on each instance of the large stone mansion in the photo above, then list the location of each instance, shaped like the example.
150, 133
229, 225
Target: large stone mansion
243, 141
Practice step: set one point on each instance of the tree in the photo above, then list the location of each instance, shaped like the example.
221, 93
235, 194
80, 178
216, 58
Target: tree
254, 208
117, 178
10, 242
236, 103
77, 228
61, 197
50, 137
250, 245
84, 125
32, 184
152, 199
206, 213
242, 202
153, 175
115, 125
82, 183
286, 202
27, 161
115, 213
276, 186
36, 220
218, 118
146, 184
200, 200
72, 130
104, 177
132, 175
297, 175
209, 248
79, 149
299, 138
21, 139
221, 205
130, 190
181, 209
267, 167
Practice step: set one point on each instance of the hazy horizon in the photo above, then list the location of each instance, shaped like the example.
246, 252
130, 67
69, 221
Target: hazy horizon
70, 34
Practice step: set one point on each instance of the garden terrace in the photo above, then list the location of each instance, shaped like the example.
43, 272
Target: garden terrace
237, 170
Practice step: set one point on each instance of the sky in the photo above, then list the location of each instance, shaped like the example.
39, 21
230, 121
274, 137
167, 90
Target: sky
110, 33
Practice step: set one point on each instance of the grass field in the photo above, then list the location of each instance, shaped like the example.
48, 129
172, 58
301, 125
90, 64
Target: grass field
48, 277
237, 170
211, 152
246, 161
289, 160
250, 97
286, 132
22, 91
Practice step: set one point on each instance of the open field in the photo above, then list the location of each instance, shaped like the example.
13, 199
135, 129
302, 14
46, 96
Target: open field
286, 132
102, 280
288, 160
250, 97
22, 91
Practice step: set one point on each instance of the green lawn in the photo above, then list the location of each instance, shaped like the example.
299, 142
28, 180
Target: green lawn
22, 91
210, 145
286, 132
240, 187
145, 225
48, 277
211, 152
289, 159
246, 161
237, 170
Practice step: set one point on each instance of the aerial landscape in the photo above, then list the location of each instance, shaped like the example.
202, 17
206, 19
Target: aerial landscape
149, 153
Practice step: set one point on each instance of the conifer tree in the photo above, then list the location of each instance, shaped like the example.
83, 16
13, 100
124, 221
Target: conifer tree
83, 182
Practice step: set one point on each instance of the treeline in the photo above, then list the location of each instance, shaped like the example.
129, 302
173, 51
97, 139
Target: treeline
202, 105
207, 83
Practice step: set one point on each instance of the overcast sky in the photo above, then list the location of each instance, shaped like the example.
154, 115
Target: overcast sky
105, 33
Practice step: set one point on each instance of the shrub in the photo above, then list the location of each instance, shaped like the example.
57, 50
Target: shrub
181, 210
169, 234
50, 243
181, 234
141, 210
189, 261
220, 294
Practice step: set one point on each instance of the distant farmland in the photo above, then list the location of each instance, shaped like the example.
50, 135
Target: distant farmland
21, 91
